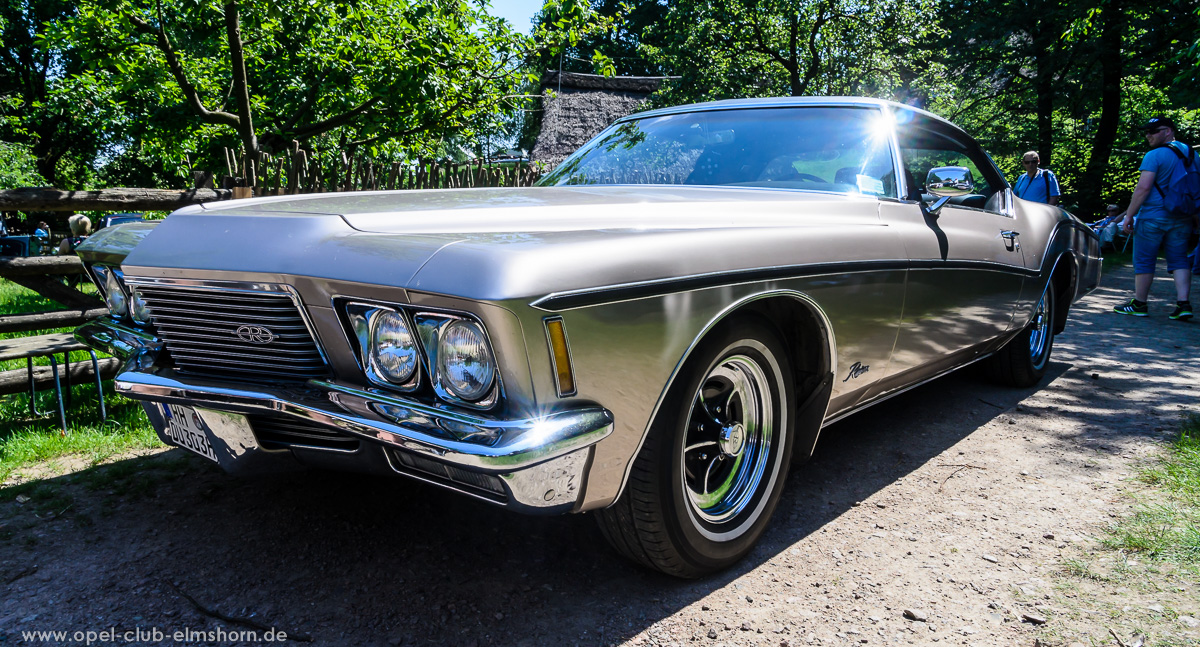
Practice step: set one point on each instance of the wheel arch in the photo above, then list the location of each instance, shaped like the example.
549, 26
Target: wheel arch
798, 320
1063, 278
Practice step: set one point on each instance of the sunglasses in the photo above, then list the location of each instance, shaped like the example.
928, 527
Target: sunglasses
1029, 161
1155, 131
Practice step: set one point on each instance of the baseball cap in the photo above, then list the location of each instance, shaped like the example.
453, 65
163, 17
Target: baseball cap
1158, 122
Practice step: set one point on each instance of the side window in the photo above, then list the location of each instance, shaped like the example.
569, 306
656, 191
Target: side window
922, 150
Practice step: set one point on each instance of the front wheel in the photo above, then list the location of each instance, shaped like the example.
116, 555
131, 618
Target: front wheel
713, 466
1022, 362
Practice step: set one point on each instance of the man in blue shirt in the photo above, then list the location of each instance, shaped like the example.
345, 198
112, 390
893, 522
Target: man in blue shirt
1158, 229
1037, 184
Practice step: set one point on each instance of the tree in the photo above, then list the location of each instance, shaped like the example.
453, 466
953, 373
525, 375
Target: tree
1059, 77
729, 48
616, 37
58, 129
366, 73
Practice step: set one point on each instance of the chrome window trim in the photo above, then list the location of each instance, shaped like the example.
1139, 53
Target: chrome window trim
248, 287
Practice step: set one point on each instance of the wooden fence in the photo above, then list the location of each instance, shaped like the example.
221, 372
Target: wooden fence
299, 171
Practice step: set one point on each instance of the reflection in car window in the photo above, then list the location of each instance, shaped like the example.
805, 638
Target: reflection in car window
924, 149
824, 149
920, 161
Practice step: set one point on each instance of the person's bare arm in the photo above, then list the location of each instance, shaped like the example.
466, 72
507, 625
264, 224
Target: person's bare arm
1140, 193
1054, 201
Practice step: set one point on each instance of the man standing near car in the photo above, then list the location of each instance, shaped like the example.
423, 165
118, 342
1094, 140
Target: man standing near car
1037, 184
1158, 229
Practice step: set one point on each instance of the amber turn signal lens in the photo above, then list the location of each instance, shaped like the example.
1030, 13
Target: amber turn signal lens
564, 374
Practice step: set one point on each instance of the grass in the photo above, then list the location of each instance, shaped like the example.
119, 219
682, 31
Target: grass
1168, 529
27, 440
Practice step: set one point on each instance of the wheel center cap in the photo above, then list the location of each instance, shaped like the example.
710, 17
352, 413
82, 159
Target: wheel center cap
733, 439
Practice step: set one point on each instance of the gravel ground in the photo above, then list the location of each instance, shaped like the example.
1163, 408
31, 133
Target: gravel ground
958, 513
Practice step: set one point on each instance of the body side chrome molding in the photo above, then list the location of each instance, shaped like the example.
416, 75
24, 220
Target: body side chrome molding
603, 295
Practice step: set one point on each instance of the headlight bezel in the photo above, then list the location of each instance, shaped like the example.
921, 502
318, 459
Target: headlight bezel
364, 321
111, 282
444, 370
427, 325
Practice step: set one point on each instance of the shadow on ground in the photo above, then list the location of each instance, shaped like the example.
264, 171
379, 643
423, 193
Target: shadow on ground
345, 559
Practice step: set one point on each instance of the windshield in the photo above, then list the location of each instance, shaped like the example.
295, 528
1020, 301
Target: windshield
824, 149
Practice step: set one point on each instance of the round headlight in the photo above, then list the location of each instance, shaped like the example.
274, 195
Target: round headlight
114, 295
465, 363
393, 348
138, 308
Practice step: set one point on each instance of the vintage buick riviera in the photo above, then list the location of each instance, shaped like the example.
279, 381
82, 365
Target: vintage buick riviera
654, 334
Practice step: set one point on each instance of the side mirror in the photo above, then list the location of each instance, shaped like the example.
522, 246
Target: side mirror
949, 181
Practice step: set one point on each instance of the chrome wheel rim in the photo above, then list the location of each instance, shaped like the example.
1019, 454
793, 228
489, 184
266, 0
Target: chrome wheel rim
1039, 333
729, 436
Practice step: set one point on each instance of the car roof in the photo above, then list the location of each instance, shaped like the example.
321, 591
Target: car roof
790, 102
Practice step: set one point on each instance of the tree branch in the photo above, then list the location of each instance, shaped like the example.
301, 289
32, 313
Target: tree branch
241, 89
313, 130
176, 68
814, 67
305, 105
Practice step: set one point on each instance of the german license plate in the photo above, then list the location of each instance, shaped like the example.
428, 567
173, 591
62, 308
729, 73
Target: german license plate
187, 429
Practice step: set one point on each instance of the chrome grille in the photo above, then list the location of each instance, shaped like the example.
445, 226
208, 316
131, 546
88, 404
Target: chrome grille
200, 328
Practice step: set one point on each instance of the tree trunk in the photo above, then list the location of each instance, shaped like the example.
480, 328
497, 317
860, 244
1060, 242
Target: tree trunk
1044, 88
241, 89
1111, 71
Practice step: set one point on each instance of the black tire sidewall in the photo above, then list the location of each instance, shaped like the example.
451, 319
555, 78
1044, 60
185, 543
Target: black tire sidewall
701, 552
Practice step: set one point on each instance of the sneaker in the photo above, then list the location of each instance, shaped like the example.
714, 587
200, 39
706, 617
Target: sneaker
1183, 311
1135, 308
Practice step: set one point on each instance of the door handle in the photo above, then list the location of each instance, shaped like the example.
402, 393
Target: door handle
1010, 239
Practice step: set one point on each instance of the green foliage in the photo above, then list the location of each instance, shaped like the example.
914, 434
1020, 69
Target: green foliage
18, 166
787, 47
1169, 529
396, 77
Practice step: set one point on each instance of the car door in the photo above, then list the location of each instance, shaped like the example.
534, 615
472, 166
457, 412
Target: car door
966, 265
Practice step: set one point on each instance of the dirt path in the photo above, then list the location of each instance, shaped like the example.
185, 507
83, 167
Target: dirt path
962, 502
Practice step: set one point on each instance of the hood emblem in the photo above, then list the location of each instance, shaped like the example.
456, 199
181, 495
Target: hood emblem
255, 334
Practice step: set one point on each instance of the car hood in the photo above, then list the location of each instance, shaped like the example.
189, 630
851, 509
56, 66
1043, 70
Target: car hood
541, 209
495, 244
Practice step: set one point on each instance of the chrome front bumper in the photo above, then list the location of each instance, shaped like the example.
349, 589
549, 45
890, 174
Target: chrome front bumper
540, 460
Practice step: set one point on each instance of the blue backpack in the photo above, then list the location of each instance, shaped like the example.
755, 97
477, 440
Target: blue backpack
1182, 197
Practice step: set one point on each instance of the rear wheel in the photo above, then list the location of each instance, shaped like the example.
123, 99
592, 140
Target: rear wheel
1022, 362
713, 466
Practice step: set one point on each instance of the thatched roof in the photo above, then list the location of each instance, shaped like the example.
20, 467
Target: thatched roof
574, 81
577, 106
